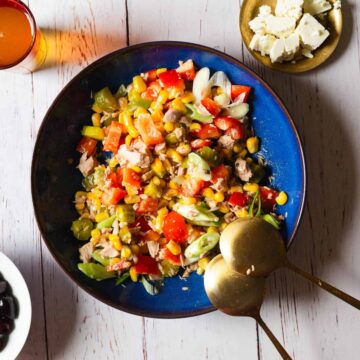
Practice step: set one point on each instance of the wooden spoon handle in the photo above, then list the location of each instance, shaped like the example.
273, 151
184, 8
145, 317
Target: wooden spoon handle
324, 285
272, 337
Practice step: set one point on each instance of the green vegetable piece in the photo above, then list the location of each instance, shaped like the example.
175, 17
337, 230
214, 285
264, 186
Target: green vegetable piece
171, 139
202, 245
121, 92
258, 173
251, 207
125, 213
195, 115
89, 182
82, 229
198, 167
197, 215
107, 119
122, 278
95, 271
125, 235
271, 220
168, 269
144, 103
99, 176
105, 100
151, 287
238, 111
103, 260
152, 190
107, 223
93, 132
211, 156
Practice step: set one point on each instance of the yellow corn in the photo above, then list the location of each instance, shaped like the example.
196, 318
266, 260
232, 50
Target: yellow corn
96, 108
188, 97
97, 192
162, 97
139, 84
251, 187
159, 221
95, 240
219, 90
169, 126
173, 185
132, 199
125, 252
114, 261
208, 193
224, 208
178, 105
242, 213
139, 111
174, 156
128, 140
170, 194
174, 247
237, 149
252, 144
212, 229
135, 249
157, 166
80, 194
154, 106
163, 211
160, 70
195, 126
219, 197
199, 271
91, 196
113, 162
101, 216
203, 263
133, 274
243, 153
85, 215
95, 118
157, 116
128, 122
190, 201
123, 103
115, 241
156, 181
174, 93
80, 206
236, 189
97, 204
95, 233
223, 225
282, 198
133, 94
136, 168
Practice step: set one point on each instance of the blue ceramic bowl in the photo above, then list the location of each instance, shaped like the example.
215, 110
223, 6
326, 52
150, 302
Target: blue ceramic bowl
55, 179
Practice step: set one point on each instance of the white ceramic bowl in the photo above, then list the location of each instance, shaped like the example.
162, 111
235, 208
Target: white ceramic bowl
22, 324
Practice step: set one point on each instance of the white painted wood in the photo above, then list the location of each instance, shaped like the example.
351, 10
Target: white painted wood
325, 106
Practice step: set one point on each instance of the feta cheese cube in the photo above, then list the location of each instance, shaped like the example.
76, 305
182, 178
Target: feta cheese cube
315, 7
277, 52
279, 26
262, 43
257, 25
264, 10
289, 8
312, 34
292, 45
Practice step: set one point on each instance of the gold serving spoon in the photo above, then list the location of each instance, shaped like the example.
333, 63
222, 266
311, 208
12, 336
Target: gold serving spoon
251, 246
249, 10
238, 295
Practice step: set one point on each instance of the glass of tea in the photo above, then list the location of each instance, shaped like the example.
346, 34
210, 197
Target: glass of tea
22, 46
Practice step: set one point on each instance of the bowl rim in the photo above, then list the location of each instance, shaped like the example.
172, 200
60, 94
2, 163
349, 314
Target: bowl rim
122, 51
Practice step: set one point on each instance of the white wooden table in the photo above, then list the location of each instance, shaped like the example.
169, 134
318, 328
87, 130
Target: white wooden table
68, 323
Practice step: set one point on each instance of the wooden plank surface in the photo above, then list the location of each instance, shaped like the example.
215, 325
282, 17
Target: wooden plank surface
69, 324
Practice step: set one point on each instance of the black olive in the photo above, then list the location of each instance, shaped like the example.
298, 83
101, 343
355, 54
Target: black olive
7, 307
5, 327
3, 286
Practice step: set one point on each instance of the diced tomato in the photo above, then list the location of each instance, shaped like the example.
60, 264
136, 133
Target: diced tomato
112, 140
238, 199
268, 197
169, 256
171, 79
220, 172
211, 106
148, 130
147, 205
121, 265
174, 227
150, 76
113, 196
237, 131
142, 224
225, 122
131, 178
113, 179
146, 265
199, 143
187, 70
151, 235
119, 175
86, 145
152, 91
209, 131
237, 90
192, 186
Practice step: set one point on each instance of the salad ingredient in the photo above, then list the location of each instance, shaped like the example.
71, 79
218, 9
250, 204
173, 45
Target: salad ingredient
95, 271
202, 245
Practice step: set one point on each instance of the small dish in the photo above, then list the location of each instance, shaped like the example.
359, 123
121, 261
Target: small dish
18, 336
249, 9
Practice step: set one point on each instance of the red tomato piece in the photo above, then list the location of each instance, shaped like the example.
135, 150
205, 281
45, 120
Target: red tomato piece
199, 143
152, 91
225, 122
112, 140
146, 265
187, 70
142, 224
130, 178
209, 131
86, 145
147, 205
236, 131
237, 90
268, 197
150, 76
113, 196
211, 106
148, 130
113, 180
220, 172
171, 79
192, 186
121, 265
174, 227
238, 199
173, 259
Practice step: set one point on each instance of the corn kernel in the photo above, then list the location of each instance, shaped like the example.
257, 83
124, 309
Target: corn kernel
174, 156
113, 162
219, 197
160, 70
157, 116
123, 103
162, 97
95, 240
174, 247
190, 201
188, 97
128, 122
97, 204
154, 106
282, 198
133, 274
81, 194
219, 90
243, 153
223, 225
203, 263
135, 249
139, 84
170, 194
113, 237
140, 110
133, 132
85, 215
224, 208
242, 213
173, 185
195, 127
208, 193
128, 140
174, 93
125, 252
95, 233
97, 192
95, 118
133, 95
212, 229
178, 105
114, 261
136, 168
167, 165
96, 108
251, 187
131, 199
200, 271
101, 216
237, 149
237, 188
80, 206
163, 211
252, 144
169, 126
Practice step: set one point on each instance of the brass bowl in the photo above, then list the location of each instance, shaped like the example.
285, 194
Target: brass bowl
249, 9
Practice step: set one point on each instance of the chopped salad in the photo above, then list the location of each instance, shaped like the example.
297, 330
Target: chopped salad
168, 161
